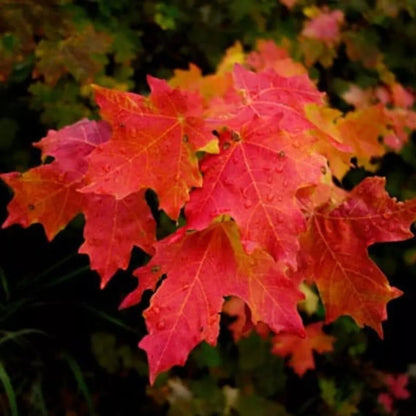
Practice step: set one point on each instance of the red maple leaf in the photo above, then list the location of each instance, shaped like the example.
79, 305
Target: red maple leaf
49, 194
301, 350
153, 145
72, 144
398, 385
254, 179
262, 209
266, 94
112, 227
335, 248
201, 268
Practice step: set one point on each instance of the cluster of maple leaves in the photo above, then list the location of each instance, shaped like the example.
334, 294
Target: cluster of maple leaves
247, 156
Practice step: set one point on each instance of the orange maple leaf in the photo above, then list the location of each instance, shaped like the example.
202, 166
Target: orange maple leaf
335, 250
301, 350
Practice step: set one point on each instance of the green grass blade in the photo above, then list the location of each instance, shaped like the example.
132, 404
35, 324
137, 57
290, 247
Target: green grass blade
67, 276
54, 266
15, 335
11, 396
82, 385
108, 318
4, 284
37, 398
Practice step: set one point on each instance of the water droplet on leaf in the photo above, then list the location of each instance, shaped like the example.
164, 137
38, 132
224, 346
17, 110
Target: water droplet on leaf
387, 215
248, 203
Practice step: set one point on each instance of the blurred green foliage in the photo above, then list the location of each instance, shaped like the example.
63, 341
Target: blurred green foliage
63, 346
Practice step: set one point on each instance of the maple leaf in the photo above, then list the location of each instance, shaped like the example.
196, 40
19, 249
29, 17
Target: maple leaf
335, 247
394, 117
266, 94
289, 3
330, 143
202, 268
153, 145
269, 55
72, 144
49, 194
45, 195
361, 129
209, 86
233, 55
254, 179
324, 25
237, 309
111, 230
386, 400
301, 350
76, 54
359, 97
397, 385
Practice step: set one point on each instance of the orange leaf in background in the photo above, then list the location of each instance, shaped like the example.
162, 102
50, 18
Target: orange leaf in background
399, 119
233, 55
335, 248
209, 86
202, 268
361, 130
153, 145
301, 350
212, 85
254, 179
330, 141
237, 309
